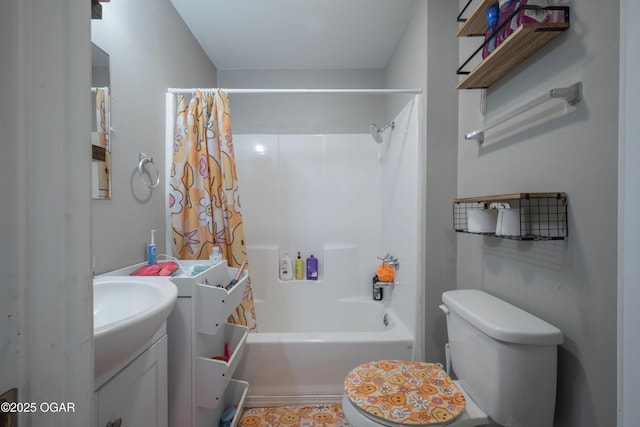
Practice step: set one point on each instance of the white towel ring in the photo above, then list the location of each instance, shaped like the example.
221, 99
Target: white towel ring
143, 158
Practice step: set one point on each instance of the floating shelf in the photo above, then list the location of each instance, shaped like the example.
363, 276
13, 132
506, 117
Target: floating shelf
521, 44
542, 216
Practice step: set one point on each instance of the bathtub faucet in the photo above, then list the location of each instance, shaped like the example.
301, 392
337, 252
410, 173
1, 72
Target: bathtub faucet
389, 259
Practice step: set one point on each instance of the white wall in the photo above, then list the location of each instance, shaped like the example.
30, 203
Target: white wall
295, 113
425, 58
571, 284
150, 50
45, 276
629, 232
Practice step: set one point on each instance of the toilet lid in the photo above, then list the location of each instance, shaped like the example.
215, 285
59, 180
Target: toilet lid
404, 392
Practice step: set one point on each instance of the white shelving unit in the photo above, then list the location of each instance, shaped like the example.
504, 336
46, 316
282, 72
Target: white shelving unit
200, 382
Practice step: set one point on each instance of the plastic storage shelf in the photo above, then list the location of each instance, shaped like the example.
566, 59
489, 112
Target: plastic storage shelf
521, 44
214, 305
542, 216
213, 376
234, 395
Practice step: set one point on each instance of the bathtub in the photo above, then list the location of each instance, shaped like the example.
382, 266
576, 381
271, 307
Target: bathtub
306, 349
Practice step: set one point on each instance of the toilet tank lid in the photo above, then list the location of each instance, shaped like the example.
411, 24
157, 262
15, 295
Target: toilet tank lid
501, 320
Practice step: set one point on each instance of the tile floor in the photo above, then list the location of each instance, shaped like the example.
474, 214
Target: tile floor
329, 415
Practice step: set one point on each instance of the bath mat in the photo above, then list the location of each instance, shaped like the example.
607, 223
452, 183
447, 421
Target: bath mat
292, 416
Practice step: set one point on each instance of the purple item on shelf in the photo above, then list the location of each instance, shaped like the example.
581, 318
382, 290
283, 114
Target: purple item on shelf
312, 268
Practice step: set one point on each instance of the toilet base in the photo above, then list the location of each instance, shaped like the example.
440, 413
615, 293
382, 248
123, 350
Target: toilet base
472, 416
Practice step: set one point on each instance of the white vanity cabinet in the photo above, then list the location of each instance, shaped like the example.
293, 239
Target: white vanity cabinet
200, 381
137, 395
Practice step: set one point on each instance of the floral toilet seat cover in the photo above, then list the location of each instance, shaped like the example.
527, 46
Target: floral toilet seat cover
405, 392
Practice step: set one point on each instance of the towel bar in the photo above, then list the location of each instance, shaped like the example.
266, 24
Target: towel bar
571, 94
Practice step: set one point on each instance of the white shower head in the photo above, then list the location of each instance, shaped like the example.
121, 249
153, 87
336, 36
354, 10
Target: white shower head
376, 133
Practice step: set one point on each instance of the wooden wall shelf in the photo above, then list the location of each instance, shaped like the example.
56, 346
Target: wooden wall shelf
507, 197
521, 44
476, 24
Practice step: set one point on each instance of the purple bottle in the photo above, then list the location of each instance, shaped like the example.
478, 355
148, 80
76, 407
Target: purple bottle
492, 24
312, 268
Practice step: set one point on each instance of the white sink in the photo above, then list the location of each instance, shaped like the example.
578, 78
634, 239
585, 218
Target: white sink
127, 312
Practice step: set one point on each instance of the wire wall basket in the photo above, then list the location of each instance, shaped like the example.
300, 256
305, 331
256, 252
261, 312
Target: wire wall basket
520, 216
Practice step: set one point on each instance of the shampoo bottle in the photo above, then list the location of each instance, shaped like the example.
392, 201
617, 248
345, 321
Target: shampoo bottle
151, 250
299, 268
286, 271
312, 268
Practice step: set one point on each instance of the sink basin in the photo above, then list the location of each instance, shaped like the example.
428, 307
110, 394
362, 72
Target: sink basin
127, 312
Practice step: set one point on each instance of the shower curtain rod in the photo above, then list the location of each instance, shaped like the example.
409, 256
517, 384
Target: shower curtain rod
288, 91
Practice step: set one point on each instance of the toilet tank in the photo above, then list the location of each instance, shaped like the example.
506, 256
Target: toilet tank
504, 357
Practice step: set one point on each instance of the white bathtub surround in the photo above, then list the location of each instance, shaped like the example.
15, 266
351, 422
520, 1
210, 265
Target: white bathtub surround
347, 200
402, 202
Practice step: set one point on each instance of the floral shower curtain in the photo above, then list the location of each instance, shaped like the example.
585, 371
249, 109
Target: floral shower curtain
204, 200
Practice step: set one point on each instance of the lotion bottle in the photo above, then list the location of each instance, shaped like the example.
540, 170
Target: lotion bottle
286, 269
151, 250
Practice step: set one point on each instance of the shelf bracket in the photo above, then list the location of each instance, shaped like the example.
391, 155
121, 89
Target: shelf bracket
571, 94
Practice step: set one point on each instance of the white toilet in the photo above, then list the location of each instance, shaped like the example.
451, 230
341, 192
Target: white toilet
505, 360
